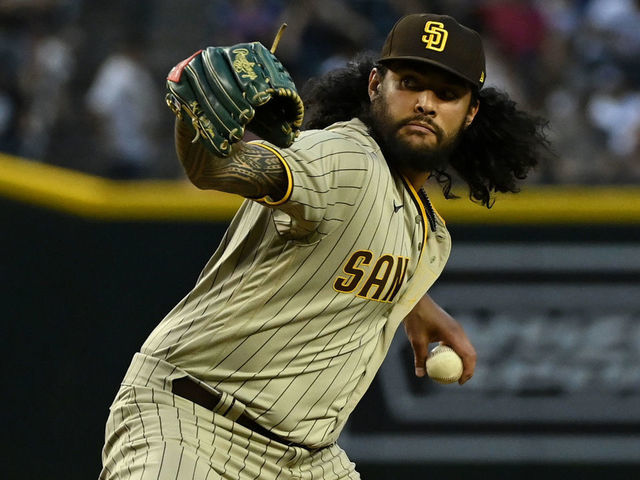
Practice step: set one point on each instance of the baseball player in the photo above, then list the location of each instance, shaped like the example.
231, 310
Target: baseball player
255, 372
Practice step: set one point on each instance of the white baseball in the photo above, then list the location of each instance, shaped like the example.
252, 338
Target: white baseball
444, 365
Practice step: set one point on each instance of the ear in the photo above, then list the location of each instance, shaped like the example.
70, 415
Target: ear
375, 83
471, 113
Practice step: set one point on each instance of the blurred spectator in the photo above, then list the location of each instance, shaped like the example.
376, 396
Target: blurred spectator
518, 30
125, 102
614, 108
320, 30
576, 62
11, 102
45, 77
615, 26
245, 20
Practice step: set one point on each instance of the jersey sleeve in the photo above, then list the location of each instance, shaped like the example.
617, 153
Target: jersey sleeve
326, 173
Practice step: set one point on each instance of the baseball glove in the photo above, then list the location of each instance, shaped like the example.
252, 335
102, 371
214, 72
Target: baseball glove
224, 90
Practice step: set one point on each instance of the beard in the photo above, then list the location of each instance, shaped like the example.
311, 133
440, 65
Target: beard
402, 154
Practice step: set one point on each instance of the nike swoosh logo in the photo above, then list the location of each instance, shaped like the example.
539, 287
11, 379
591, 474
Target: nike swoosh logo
397, 207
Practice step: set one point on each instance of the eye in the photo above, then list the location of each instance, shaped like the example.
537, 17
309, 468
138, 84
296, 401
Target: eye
410, 83
449, 94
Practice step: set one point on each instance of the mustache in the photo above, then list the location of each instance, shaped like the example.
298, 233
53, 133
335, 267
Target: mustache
425, 121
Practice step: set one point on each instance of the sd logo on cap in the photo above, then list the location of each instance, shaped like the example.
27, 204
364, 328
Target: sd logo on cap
438, 40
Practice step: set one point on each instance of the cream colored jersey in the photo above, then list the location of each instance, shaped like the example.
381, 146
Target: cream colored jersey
295, 311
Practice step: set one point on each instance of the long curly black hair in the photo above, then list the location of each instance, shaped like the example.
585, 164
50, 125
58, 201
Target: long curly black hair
494, 153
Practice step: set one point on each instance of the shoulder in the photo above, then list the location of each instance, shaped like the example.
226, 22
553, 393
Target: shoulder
341, 136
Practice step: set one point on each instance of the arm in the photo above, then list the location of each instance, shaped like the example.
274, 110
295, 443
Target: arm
428, 323
216, 94
250, 171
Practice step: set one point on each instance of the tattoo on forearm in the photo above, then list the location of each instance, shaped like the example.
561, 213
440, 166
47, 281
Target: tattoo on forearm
250, 171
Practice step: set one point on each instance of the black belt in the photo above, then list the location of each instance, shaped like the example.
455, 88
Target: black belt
187, 388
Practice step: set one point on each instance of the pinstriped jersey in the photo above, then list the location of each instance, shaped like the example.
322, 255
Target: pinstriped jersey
294, 312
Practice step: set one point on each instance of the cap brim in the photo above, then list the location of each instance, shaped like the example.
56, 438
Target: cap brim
430, 62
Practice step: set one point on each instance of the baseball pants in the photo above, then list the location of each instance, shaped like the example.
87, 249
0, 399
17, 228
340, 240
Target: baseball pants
152, 433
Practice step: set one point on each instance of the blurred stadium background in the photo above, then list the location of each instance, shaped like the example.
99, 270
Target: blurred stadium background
102, 235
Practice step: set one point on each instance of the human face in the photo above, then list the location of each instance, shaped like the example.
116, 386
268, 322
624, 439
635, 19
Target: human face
418, 113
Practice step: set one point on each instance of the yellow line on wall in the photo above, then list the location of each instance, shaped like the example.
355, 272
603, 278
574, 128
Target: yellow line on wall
95, 197
549, 205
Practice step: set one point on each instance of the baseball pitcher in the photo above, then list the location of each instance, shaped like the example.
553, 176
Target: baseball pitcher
255, 372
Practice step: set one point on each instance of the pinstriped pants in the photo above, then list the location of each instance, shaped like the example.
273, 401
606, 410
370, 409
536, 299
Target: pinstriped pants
154, 434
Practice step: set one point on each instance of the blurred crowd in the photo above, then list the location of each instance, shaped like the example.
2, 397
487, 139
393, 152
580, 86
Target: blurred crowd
82, 81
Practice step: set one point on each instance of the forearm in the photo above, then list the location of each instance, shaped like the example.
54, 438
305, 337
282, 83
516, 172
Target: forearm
429, 315
429, 309
250, 171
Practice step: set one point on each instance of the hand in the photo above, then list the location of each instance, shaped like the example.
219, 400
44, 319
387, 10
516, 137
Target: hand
428, 323
221, 91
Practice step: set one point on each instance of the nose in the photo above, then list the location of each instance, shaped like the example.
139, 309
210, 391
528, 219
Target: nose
426, 103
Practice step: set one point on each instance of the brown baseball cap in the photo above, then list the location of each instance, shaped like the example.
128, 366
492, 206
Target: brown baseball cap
438, 40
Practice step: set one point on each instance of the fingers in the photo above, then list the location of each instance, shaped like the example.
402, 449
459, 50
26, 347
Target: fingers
420, 354
457, 339
468, 355
461, 346
428, 322
419, 341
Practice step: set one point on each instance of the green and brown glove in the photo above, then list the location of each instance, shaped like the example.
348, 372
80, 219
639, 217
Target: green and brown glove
223, 90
